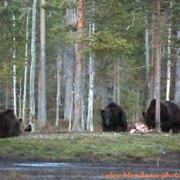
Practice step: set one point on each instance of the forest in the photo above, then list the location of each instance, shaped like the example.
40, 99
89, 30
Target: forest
62, 61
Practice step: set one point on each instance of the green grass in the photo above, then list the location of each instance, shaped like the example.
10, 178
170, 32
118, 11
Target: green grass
111, 147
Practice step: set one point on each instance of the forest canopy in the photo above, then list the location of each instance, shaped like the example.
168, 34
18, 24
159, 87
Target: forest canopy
64, 60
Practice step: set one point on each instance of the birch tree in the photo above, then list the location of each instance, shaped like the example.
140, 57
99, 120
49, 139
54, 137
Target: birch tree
168, 85
91, 86
58, 96
20, 98
69, 60
177, 75
116, 87
148, 80
25, 69
104, 100
79, 68
152, 63
158, 65
14, 66
42, 115
33, 64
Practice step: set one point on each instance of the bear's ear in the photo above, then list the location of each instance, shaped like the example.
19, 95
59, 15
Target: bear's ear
20, 120
10, 112
143, 114
102, 111
153, 102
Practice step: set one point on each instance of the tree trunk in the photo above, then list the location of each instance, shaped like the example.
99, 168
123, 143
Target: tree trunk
91, 86
25, 70
151, 90
169, 56
115, 83
91, 94
116, 95
177, 77
14, 67
158, 66
69, 60
7, 96
79, 69
58, 97
84, 99
149, 84
118, 82
137, 106
69, 79
42, 115
20, 100
32, 68
104, 94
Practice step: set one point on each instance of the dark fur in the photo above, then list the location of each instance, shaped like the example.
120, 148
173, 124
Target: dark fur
29, 128
113, 118
9, 124
170, 116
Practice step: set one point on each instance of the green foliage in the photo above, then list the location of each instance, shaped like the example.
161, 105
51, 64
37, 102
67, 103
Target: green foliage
105, 42
119, 35
6, 73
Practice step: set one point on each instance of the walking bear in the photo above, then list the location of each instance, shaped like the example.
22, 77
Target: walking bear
10, 125
169, 114
113, 118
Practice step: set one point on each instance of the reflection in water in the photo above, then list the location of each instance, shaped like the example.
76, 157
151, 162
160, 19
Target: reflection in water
46, 164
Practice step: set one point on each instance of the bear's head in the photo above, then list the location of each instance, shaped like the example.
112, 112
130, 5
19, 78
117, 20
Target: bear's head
149, 119
14, 121
107, 116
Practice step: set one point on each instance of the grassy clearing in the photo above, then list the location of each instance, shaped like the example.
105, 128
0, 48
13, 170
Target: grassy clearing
111, 147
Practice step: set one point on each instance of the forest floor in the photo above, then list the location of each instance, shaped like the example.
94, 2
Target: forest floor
89, 156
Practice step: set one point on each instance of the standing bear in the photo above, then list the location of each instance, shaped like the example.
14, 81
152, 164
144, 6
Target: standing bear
169, 114
113, 118
10, 125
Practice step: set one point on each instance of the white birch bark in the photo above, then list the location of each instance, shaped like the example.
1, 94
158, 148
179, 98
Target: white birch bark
14, 68
33, 64
91, 94
116, 86
177, 76
7, 88
149, 84
90, 126
25, 70
20, 100
147, 52
42, 115
83, 99
137, 106
118, 82
158, 68
168, 85
103, 94
69, 60
69, 79
7, 96
58, 97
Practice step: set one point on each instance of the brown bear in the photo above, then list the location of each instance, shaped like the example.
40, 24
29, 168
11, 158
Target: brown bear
113, 118
10, 125
170, 116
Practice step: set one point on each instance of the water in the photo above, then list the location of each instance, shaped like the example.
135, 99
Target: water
79, 171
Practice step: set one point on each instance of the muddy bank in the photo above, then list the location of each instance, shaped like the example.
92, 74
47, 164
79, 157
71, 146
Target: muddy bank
78, 171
